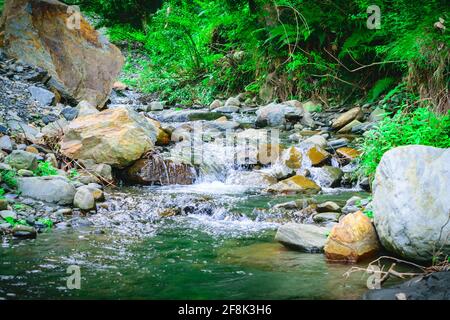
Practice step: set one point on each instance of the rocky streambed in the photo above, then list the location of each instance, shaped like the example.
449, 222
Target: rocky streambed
239, 199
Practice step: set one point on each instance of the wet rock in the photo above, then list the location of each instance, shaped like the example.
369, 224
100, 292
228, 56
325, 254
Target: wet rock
327, 176
364, 184
156, 170
19, 159
348, 153
43, 96
83, 65
251, 178
295, 184
54, 189
411, 204
84, 199
116, 137
302, 237
352, 240
347, 117
318, 156
292, 158
24, 232
434, 286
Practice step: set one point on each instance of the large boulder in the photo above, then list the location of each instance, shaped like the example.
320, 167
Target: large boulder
302, 237
352, 240
116, 137
158, 171
411, 201
52, 189
82, 64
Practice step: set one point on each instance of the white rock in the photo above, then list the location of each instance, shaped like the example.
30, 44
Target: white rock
411, 201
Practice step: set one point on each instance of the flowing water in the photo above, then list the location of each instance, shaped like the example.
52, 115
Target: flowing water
222, 250
210, 240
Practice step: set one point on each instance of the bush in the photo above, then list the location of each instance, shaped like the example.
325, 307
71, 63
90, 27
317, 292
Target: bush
419, 127
45, 168
9, 178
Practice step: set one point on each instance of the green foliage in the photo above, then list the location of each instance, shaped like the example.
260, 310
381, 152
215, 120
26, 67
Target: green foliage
73, 173
9, 178
45, 168
193, 51
2, 3
2, 193
369, 213
18, 206
419, 127
380, 87
14, 222
46, 221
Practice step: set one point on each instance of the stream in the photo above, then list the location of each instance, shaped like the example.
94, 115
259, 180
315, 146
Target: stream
210, 240
198, 256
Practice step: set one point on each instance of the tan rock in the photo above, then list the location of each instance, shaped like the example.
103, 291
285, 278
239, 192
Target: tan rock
32, 149
293, 158
348, 153
295, 184
352, 239
119, 86
82, 64
162, 137
347, 117
116, 137
348, 127
317, 155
